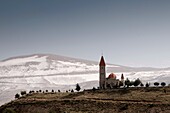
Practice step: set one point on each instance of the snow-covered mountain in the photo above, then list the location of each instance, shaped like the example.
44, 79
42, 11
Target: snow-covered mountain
47, 71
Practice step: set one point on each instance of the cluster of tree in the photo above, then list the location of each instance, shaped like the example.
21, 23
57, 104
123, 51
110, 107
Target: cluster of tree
162, 84
69, 91
22, 94
32, 91
135, 83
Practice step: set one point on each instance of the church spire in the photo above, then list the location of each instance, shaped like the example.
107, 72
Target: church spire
102, 62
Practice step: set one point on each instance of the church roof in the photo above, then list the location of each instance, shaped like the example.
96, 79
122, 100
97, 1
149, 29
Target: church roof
112, 76
102, 62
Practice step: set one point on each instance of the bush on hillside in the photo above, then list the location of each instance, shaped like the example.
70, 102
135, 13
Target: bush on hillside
17, 96
8, 110
156, 83
23, 93
163, 84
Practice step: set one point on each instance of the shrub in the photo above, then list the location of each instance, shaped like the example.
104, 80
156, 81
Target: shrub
46, 91
17, 96
59, 91
8, 110
163, 84
52, 91
23, 93
156, 84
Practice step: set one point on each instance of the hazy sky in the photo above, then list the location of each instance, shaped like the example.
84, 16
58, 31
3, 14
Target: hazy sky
128, 32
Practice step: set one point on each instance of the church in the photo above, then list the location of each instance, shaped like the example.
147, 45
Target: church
110, 81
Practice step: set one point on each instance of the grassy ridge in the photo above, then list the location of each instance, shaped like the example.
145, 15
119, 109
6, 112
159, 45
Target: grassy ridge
130, 100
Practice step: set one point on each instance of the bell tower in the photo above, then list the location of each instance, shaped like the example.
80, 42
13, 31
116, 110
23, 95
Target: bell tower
102, 74
122, 79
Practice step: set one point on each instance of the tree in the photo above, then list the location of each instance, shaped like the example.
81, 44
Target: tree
156, 83
147, 84
52, 91
120, 83
72, 90
17, 95
137, 82
30, 92
141, 84
77, 87
131, 83
94, 89
127, 82
23, 93
163, 84
59, 91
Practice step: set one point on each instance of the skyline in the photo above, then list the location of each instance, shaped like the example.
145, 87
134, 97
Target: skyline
130, 33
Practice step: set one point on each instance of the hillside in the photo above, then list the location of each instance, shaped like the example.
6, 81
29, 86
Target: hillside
47, 71
131, 100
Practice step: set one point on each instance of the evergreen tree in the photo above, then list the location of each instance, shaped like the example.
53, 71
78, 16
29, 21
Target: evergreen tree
77, 87
72, 90
137, 82
141, 84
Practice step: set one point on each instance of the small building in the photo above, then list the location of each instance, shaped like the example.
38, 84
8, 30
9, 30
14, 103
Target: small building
108, 82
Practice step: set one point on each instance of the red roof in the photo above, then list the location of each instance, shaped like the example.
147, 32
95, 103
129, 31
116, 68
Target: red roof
112, 75
102, 62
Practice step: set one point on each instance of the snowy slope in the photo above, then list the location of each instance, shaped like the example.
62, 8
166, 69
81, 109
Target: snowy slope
46, 71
